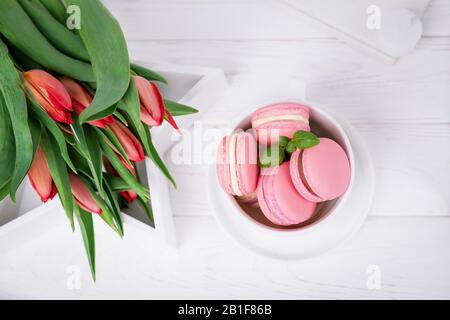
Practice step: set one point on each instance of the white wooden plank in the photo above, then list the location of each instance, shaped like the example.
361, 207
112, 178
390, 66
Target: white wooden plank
243, 19
436, 20
412, 165
144, 20
411, 254
362, 89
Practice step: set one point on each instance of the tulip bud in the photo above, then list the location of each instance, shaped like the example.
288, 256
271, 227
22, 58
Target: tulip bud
82, 195
129, 142
40, 177
81, 99
128, 195
152, 104
50, 94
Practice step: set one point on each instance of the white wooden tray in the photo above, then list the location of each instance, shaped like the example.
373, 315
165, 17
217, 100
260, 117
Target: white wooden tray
195, 86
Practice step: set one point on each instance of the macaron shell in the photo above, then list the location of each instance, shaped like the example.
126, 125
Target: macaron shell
291, 203
265, 181
295, 165
279, 200
326, 169
247, 168
282, 108
223, 167
269, 133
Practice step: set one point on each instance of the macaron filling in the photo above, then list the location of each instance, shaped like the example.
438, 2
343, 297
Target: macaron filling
223, 169
281, 117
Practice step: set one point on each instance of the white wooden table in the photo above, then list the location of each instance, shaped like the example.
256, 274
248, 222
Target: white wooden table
402, 111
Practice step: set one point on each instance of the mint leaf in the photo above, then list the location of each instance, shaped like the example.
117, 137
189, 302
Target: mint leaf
302, 140
291, 147
283, 141
304, 135
272, 156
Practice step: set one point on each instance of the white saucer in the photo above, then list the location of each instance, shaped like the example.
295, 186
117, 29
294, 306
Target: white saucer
314, 240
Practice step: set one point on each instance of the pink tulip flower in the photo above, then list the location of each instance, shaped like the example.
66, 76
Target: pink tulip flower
82, 195
129, 195
81, 99
153, 110
40, 177
129, 142
152, 104
50, 94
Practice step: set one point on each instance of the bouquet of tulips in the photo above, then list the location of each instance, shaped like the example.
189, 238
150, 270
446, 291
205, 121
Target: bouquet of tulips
75, 115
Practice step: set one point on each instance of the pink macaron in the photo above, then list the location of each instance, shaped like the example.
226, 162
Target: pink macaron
322, 172
237, 164
280, 119
279, 200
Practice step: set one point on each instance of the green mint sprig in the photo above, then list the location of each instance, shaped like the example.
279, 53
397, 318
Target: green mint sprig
277, 153
302, 140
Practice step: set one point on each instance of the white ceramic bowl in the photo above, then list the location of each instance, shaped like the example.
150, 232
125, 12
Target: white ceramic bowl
334, 220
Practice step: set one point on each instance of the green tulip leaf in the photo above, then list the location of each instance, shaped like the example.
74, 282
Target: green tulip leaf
124, 172
40, 115
35, 130
96, 159
114, 206
116, 183
147, 73
106, 214
22, 62
119, 116
109, 135
57, 9
130, 105
79, 161
4, 191
57, 34
15, 102
88, 159
86, 224
17, 27
146, 205
87, 145
178, 109
7, 146
58, 171
105, 43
